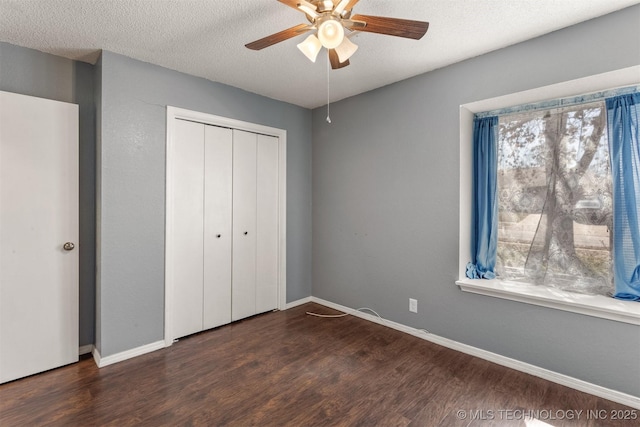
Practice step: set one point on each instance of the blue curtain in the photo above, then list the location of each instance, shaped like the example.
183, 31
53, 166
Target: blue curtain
485, 203
623, 113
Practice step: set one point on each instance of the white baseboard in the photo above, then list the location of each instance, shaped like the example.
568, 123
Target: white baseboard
298, 302
565, 380
85, 349
139, 351
129, 354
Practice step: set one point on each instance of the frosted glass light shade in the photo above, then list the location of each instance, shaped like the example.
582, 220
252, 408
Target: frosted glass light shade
346, 49
331, 33
310, 47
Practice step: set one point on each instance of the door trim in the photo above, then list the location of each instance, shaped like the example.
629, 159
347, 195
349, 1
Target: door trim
174, 113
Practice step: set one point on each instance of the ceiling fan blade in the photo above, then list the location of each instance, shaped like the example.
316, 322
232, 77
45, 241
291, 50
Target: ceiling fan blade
393, 26
279, 37
335, 60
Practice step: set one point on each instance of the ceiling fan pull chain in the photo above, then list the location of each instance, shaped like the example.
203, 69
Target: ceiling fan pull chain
328, 88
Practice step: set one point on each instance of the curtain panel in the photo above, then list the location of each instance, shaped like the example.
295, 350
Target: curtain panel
485, 206
623, 113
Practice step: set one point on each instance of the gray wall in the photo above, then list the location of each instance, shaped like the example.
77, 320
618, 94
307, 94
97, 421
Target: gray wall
34, 73
385, 195
131, 189
386, 200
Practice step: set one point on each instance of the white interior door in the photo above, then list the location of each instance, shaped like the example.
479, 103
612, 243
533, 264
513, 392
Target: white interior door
38, 215
187, 231
267, 224
218, 155
243, 299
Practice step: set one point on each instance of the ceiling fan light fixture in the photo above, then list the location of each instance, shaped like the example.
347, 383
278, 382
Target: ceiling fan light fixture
330, 20
346, 49
341, 6
308, 11
331, 33
311, 46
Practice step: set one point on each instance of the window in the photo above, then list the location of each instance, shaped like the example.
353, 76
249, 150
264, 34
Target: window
554, 199
591, 305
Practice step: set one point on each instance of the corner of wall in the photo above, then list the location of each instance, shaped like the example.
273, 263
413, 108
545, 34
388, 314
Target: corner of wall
97, 98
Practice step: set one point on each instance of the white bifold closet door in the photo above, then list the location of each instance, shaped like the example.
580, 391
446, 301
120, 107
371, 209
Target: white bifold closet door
267, 224
218, 152
224, 243
188, 227
243, 299
255, 224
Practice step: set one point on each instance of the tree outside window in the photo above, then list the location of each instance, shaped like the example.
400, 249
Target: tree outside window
555, 200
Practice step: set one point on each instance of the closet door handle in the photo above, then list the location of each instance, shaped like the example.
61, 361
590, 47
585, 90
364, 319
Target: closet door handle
218, 236
246, 232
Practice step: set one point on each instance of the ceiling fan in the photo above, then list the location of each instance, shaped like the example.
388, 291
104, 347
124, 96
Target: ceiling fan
333, 23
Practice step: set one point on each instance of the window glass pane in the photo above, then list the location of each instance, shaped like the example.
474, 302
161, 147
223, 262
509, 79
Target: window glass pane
555, 207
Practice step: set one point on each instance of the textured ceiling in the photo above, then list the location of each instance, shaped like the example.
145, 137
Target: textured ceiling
206, 38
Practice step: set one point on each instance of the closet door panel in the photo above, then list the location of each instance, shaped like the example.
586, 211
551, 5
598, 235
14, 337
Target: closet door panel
218, 157
267, 224
188, 230
243, 299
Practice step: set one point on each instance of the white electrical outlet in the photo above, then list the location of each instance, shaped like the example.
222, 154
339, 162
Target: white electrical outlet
413, 305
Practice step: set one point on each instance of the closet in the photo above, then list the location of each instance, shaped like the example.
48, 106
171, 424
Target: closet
223, 217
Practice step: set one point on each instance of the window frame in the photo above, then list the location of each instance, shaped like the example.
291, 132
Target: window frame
591, 305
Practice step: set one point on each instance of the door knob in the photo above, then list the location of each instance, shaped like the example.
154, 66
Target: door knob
218, 235
68, 246
246, 232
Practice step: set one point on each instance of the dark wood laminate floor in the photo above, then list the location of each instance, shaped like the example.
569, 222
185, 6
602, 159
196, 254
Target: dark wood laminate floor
287, 368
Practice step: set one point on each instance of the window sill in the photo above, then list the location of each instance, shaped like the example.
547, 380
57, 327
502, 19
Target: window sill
589, 305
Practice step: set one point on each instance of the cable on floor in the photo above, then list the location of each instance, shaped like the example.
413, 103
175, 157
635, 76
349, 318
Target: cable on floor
371, 310
359, 309
327, 315
344, 314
